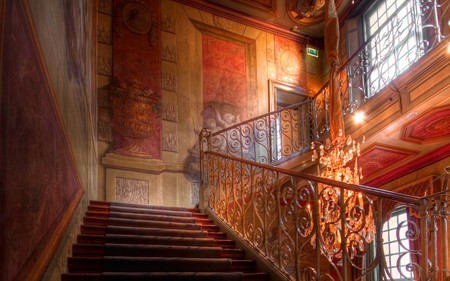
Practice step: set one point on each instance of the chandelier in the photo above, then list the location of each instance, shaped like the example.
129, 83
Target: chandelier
344, 215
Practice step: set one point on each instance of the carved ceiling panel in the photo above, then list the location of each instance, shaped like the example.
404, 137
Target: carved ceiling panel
380, 158
432, 126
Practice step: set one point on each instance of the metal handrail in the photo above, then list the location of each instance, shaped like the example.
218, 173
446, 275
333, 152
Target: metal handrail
368, 190
280, 213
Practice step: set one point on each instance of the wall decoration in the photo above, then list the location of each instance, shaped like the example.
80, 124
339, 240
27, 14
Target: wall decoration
306, 12
104, 35
105, 6
170, 112
219, 115
169, 81
291, 66
169, 52
138, 17
223, 23
137, 70
41, 182
104, 66
168, 23
105, 124
224, 73
170, 142
132, 191
136, 119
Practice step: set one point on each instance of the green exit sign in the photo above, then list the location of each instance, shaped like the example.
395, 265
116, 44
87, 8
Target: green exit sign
312, 52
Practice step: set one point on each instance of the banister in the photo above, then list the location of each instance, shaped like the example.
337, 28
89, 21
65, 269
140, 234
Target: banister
367, 190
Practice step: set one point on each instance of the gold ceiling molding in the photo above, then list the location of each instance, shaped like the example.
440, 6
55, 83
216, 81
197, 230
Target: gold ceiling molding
307, 12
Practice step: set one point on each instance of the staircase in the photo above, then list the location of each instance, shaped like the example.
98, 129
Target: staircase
130, 242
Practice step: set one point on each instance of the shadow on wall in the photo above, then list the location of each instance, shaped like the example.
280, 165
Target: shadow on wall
216, 116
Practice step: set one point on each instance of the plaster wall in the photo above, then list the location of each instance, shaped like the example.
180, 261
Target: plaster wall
188, 97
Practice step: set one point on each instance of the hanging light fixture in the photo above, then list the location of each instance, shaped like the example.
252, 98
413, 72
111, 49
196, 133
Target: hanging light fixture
345, 217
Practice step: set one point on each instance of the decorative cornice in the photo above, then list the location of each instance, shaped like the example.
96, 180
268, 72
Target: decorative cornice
273, 28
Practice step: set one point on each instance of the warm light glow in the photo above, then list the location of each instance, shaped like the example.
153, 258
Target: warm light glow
359, 117
359, 229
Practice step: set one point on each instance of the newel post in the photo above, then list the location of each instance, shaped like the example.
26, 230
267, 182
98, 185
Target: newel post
204, 146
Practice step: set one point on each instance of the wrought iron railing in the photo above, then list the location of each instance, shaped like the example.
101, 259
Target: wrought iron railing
285, 217
269, 138
388, 53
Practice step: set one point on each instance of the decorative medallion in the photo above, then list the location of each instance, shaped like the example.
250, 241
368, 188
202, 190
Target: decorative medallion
136, 17
307, 12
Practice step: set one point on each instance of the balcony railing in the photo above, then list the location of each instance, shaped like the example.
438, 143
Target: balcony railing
271, 137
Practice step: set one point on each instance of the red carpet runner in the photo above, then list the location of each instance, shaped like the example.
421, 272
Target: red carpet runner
129, 242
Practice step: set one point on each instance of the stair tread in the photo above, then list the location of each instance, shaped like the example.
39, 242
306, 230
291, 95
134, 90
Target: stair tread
140, 223
161, 276
145, 239
132, 242
135, 250
139, 216
96, 229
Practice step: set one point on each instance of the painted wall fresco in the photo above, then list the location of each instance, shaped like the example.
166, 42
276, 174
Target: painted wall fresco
290, 62
224, 82
40, 182
137, 66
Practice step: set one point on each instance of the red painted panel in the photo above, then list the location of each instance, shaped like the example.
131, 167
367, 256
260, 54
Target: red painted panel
291, 67
137, 58
224, 72
432, 126
224, 82
39, 177
377, 158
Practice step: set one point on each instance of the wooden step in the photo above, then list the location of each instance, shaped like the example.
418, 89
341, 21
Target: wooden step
165, 276
148, 264
131, 242
136, 250
210, 228
217, 235
246, 266
141, 223
157, 276
224, 243
256, 276
151, 240
137, 216
103, 230
140, 206
233, 253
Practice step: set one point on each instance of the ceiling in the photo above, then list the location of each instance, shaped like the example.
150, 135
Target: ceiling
296, 19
